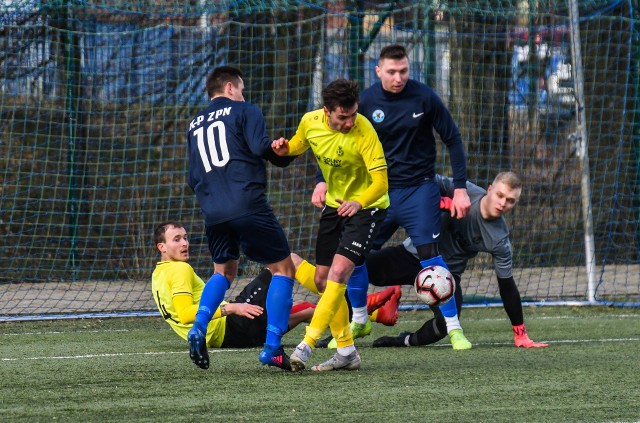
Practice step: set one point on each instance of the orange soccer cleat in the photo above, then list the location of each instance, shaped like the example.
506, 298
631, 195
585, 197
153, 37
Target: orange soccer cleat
377, 299
388, 313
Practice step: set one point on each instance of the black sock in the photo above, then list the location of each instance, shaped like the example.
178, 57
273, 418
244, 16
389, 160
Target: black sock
432, 331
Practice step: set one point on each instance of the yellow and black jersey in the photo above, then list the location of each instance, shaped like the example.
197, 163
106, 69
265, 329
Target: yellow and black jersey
346, 160
177, 278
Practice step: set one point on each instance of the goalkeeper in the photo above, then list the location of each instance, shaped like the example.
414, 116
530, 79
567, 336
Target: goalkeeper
483, 229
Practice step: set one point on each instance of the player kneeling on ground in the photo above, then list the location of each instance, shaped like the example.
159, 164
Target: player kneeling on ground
483, 229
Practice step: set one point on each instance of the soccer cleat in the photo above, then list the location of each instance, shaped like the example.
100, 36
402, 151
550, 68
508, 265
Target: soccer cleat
360, 330
458, 340
324, 343
377, 299
333, 344
526, 342
300, 356
391, 341
388, 313
276, 358
339, 362
198, 347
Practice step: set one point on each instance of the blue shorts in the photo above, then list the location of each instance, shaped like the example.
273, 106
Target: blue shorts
259, 235
417, 210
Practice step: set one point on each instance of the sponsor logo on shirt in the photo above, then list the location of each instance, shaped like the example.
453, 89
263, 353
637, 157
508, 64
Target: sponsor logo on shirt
329, 161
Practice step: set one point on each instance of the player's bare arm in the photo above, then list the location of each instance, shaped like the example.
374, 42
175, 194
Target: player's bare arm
461, 204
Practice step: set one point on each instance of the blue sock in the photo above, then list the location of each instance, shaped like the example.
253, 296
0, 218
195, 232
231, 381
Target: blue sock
212, 296
358, 286
279, 301
434, 261
448, 309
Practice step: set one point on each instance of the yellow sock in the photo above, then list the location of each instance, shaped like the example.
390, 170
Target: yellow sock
374, 316
340, 327
305, 274
329, 304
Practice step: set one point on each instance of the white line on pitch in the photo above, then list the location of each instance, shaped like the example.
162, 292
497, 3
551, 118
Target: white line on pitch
228, 350
71, 357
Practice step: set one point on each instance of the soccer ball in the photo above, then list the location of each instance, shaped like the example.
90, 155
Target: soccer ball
434, 285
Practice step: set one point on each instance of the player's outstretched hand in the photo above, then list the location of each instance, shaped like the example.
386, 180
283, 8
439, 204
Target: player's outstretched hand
280, 146
526, 342
245, 310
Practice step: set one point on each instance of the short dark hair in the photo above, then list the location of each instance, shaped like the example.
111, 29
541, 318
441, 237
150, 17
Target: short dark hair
158, 233
218, 78
394, 52
340, 93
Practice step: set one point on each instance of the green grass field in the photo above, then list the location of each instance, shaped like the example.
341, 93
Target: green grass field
136, 369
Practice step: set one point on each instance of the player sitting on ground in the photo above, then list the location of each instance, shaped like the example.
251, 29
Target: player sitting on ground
177, 290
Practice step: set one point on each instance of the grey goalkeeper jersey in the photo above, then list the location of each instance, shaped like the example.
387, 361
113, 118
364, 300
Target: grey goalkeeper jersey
462, 239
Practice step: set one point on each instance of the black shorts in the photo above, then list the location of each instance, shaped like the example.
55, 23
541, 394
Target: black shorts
392, 266
396, 266
351, 237
242, 332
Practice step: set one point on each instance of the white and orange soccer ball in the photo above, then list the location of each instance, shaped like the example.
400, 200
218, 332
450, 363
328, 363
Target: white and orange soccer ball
435, 285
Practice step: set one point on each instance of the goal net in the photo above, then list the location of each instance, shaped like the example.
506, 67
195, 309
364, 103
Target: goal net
96, 97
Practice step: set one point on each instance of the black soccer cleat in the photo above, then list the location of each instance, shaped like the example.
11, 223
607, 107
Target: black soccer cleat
323, 343
198, 348
277, 358
391, 341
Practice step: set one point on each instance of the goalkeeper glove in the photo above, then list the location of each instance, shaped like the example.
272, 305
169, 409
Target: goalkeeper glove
445, 203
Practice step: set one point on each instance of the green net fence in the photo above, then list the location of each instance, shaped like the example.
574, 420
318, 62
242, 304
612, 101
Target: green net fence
96, 97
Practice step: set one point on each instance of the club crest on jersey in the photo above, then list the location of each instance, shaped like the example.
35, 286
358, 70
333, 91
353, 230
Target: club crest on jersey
340, 151
377, 116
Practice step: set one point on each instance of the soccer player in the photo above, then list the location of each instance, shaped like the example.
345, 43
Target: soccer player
177, 289
228, 146
405, 113
483, 229
352, 162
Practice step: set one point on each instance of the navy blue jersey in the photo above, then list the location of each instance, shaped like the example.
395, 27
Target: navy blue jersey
227, 169
405, 123
462, 239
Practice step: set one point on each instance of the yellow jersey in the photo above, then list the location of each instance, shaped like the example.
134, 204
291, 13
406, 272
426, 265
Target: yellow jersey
172, 278
344, 159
